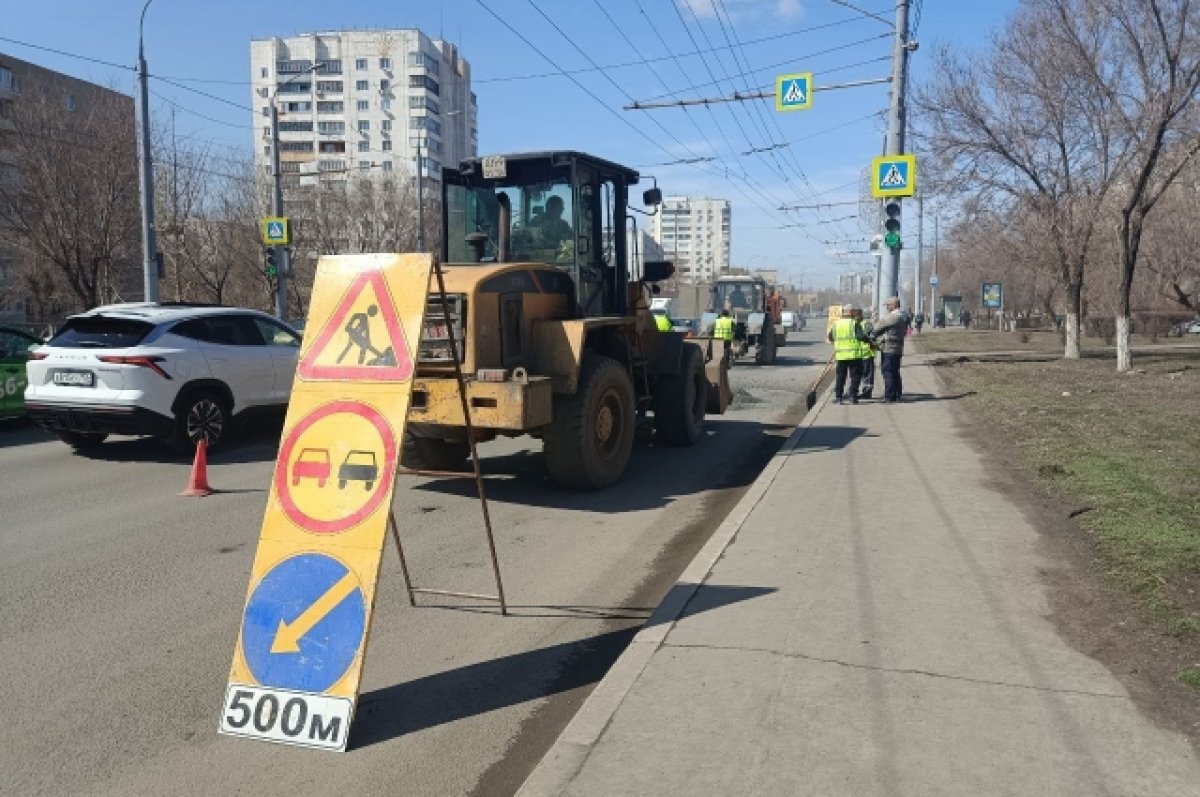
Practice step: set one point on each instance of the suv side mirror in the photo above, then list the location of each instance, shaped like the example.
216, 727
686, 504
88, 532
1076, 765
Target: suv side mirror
652, 197
657, 270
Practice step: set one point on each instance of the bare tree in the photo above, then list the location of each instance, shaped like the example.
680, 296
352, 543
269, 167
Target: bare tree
1147, 69
1016, 130
72, 209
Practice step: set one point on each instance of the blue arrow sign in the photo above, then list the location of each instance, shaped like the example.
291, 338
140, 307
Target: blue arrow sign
304, 624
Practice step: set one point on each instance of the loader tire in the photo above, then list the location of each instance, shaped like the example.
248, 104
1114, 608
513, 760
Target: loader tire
431, 453
764, 353
680, 401
590, 437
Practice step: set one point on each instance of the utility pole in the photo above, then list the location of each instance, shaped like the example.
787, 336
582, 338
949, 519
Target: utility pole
933, 283
285, 258
920, 252
146, 173
420, 201
897, 119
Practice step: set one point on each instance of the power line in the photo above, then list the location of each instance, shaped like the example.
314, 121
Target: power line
186, 109
171, 82
67, 54
648, 61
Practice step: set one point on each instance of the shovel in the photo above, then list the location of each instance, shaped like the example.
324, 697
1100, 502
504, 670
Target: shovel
810, 400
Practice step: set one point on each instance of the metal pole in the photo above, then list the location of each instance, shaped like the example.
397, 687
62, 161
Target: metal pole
282, 253
420, 201
146, 172
896, 125
933, 288
920, 252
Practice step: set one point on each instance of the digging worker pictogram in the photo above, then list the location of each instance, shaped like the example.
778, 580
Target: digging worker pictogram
358, 329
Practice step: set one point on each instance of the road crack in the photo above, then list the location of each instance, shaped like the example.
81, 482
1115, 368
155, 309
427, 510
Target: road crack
897, 670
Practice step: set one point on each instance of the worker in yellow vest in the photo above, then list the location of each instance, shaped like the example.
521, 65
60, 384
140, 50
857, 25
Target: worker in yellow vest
848, 340
661, 322
723, 330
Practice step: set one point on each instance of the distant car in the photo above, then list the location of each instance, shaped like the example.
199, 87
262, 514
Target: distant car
1186, 328
15, 347
176, 372
690, 327
792, 321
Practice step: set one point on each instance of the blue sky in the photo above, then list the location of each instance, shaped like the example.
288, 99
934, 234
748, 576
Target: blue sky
525, 104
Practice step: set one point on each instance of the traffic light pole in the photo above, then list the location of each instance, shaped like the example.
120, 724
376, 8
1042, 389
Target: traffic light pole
284, 257
897, 114
150, 271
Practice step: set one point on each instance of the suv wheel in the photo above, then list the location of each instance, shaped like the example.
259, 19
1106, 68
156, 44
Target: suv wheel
202, 415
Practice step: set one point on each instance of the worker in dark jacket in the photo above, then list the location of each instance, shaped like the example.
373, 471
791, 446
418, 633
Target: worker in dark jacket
888, 335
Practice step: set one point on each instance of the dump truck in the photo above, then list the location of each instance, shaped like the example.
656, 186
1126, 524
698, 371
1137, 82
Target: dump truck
754, 327
554, 338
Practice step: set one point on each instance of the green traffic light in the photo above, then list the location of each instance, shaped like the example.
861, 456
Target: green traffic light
892, 240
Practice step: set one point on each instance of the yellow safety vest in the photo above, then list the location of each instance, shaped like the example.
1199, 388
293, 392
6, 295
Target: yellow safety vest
662, 322
723, 328
845, 345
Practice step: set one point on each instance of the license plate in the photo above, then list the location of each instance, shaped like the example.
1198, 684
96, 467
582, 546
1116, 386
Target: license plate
74, 378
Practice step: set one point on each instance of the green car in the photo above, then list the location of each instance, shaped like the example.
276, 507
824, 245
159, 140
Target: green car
15, 346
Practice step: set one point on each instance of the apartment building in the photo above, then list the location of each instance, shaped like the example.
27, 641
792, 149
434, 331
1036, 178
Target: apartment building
52, 123
362, 100
693, 233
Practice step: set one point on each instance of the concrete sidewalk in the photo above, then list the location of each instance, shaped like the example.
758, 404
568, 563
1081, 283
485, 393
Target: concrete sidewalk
818, 646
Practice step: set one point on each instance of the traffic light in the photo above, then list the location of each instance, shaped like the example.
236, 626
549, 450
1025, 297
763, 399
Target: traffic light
891, 223
272, 265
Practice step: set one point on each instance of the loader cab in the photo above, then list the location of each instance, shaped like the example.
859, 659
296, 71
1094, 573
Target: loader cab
566, 209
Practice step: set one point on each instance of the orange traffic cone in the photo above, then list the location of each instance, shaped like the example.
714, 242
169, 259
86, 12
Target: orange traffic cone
198, 483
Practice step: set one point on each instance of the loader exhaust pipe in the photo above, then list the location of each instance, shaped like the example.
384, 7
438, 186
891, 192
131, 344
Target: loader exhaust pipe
505, 233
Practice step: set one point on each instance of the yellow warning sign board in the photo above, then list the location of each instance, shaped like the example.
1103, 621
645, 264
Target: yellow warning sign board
298, 660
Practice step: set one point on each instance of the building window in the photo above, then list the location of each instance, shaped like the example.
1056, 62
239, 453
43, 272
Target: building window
364, 164
294, 107
385, 63
384, 85
423, 82
264, 72
267, 150
292, 67
364, 105
329, 147
386, 124
331, 166
387, 166
295, 146
360, 64
266, 110
294, 127
385, 104
364, 145
362, 85
329, 85
267, 131
330, 107
331, 128
292, 168
330, 68
423, 61
387, 146
364, 125
295, 88
423, 101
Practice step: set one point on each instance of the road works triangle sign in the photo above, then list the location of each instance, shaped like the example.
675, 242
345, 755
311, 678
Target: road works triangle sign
363, 339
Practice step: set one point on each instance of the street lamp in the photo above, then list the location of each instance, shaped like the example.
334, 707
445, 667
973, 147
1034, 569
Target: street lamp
150, 270
284, 267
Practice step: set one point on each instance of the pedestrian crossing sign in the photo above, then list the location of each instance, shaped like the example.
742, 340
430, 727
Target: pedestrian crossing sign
276, 231
894, 175
794, 92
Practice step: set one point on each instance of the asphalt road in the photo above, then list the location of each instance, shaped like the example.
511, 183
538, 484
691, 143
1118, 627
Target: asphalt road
121, 604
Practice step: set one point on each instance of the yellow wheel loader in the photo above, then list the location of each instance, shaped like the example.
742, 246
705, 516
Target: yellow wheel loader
554, 333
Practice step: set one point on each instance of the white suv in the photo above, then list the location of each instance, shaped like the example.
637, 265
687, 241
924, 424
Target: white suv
178, 372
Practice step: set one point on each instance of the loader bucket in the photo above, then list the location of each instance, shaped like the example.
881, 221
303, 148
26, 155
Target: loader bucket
720, 395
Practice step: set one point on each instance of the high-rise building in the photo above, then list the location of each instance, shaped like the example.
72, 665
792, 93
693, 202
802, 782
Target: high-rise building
362, 100
694, 234
57, 130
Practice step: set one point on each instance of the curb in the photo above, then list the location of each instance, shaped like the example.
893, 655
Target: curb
554, 774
